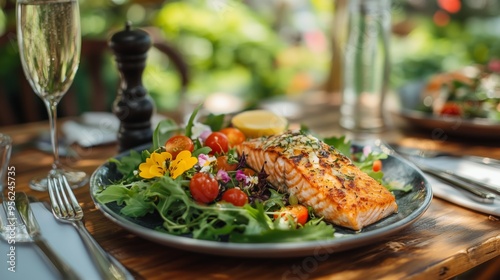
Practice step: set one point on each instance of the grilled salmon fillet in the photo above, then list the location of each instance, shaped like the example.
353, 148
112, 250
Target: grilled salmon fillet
320, 177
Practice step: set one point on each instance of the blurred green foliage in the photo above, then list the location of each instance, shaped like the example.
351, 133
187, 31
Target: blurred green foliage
430, 49
228, 48
231, 48
258, 49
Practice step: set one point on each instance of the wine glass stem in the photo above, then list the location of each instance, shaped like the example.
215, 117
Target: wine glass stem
52, 111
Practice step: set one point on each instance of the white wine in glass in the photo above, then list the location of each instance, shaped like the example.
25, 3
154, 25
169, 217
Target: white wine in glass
48, 35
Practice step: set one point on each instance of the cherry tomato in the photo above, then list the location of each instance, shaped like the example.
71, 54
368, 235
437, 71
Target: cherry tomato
224, 165
203, 187
451, 109
377, 165
249, 171
299, 213
234, 135
218, 142
235, 196
177, 144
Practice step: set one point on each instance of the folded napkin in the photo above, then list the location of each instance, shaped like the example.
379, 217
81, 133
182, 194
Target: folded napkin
93, 129
96, 128
477, 171
64, 240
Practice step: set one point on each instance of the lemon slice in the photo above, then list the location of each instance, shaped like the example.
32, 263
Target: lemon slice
257, 123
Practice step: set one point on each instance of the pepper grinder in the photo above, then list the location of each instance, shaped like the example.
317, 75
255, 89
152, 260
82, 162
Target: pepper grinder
133, 106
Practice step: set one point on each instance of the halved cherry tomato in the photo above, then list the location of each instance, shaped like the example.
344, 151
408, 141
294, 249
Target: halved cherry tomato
178, 143
218, 142
248, 171
234, 135
203, 187
298, 212
235, 196
451, 109
377, 165
224, 165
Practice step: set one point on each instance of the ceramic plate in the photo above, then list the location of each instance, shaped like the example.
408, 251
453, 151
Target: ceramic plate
409, 96
411, 206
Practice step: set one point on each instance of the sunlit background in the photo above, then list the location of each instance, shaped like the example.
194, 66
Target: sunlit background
242, 52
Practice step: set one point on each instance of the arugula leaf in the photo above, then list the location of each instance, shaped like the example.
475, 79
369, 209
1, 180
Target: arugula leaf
137, 206
216, 122
340, 144
262, 220
218, 224
275, 201
398, 186
319, 231
202, 150
127, 164
113, 193
365, 164
189, 125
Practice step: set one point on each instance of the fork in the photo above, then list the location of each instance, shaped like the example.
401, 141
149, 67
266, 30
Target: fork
66, 209
433, 153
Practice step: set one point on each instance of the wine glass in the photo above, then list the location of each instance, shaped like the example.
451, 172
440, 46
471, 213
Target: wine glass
48, 35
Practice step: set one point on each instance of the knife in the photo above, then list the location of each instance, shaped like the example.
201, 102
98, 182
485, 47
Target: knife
431, 154
24, 209
475, 193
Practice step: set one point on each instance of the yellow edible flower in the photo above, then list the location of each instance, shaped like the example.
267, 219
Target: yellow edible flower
183, 162
155, 165
158, 164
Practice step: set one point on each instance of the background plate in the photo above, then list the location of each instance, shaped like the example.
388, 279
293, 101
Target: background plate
411, 206
409, 96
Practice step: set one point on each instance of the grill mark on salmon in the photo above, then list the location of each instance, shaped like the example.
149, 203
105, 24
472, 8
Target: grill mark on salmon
320, 177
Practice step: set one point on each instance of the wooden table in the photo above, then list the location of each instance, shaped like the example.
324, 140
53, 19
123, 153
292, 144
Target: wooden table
446, 241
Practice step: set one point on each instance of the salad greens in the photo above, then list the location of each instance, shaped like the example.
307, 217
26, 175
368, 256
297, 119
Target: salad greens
464, 94
220, 221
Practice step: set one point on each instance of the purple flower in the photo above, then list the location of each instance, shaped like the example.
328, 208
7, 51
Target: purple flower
200, 131
222, 176
202, 159
205, 161
240, 176
204, 135
367, 150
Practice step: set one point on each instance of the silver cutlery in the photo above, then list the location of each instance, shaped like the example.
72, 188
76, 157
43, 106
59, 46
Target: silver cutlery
412, 152
469, 186
481, 184
66, 209
21, 225
477, 194
432, 154
33, 229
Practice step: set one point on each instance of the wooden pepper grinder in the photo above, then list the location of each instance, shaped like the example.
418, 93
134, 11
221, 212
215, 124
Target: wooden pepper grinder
133, 106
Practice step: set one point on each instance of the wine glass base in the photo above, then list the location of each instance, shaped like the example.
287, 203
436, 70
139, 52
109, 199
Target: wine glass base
75, 178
